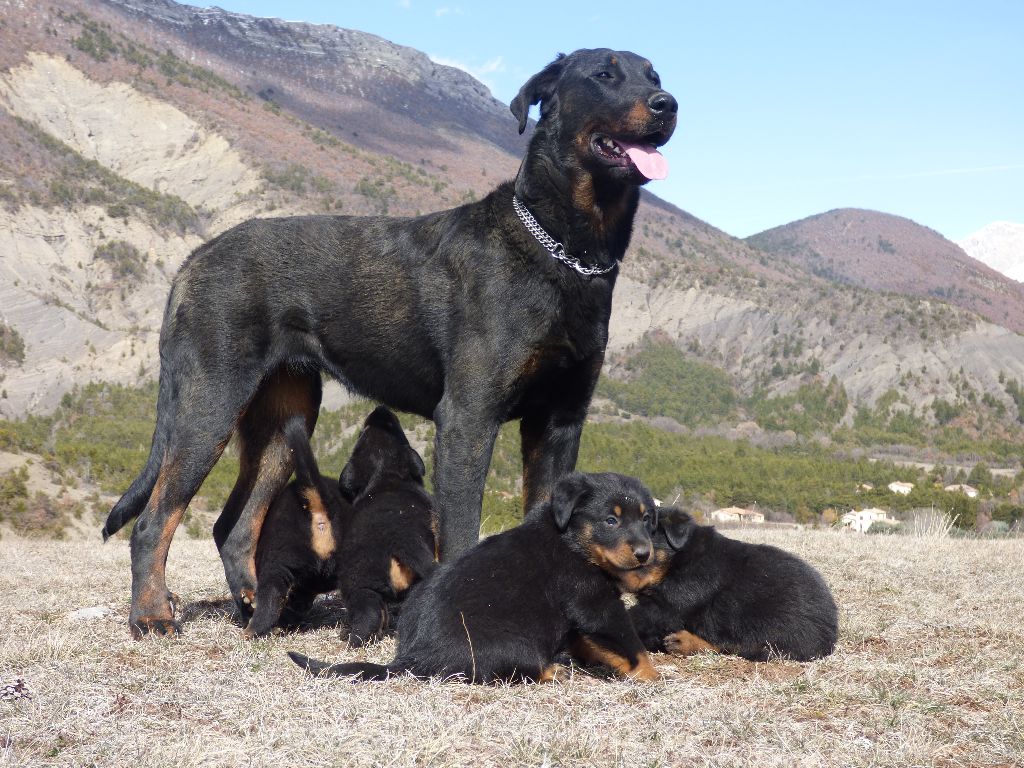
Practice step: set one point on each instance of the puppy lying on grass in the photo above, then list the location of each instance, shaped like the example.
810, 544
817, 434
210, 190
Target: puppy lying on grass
297, 553
508, 606
704, 591
389, 542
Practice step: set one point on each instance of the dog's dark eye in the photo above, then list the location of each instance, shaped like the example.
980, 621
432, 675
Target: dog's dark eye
654, 78
612, 520
604, 75
647, 517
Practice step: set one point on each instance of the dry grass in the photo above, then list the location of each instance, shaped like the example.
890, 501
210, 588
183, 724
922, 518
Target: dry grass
928, 672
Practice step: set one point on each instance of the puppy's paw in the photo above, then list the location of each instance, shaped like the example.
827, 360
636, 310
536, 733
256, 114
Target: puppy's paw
683, 643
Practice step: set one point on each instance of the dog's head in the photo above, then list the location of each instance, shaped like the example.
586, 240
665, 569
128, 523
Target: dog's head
675, 527
381, 454
607, 108
607, 518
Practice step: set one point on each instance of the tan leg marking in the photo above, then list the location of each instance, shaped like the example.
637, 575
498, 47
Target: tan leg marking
401, 576
591, 652
683, 643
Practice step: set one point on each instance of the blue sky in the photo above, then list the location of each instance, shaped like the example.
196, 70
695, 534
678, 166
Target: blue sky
787, 109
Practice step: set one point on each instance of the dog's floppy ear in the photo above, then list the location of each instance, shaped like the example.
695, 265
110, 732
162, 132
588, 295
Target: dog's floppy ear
539, 88
418, 468
349, 483
566, 496
678, 525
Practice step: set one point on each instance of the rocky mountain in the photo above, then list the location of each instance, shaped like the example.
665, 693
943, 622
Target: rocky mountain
890, 253
131, 131
1000, 245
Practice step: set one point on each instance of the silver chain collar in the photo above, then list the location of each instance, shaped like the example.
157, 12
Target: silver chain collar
554, 247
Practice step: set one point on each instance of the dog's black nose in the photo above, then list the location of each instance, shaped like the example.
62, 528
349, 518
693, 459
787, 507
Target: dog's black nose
663, 102
642, 554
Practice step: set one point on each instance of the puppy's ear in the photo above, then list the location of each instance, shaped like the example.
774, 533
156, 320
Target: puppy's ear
678, 525
349, 483
565, 497
539, 88
418, 468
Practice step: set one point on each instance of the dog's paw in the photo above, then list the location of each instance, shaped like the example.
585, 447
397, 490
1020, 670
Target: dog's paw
247, 601
152, 625
685, 643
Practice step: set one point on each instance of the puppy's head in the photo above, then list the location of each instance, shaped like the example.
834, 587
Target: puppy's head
604, 108
675, 526
607, 518
672, 535
382, 453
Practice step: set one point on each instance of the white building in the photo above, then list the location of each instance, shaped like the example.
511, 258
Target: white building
860, 520
901, 488
736, 515
967, 490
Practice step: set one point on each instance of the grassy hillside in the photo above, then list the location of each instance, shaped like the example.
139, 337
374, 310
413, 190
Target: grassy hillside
100, 435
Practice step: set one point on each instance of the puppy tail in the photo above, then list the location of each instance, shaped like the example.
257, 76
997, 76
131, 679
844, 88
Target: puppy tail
358, 671
307, 473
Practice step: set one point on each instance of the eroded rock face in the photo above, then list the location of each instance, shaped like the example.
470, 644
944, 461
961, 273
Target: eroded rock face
141, 138
78, 319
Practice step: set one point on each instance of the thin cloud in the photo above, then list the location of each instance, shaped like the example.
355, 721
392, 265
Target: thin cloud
446, 10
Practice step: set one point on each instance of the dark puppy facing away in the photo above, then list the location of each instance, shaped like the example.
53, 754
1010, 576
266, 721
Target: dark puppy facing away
389, 544
705, 591
506, 608
469, 317
298, 552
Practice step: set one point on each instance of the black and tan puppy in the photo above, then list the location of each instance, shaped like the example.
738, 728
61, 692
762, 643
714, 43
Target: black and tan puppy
506, 608
389, 544
488, 312
298, 551
703, 591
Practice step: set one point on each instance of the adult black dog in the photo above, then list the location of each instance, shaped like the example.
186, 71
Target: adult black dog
492, 311
389, 543
703, 591
506, 608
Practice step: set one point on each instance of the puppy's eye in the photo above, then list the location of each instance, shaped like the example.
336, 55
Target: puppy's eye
603, 75
655, 78
647, 517
612, 520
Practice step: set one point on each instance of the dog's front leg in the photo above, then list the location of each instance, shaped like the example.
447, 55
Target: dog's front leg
550, 445
550, 431
466, 431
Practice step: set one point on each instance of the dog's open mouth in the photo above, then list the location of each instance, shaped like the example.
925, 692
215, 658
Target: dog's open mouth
644, 156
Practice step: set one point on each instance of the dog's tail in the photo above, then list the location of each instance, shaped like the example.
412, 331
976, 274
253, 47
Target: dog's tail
358, 670
131, 504
307, 473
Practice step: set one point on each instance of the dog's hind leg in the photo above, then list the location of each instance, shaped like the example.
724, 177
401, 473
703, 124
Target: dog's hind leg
367, 616
265, 465
190, 457
271, 599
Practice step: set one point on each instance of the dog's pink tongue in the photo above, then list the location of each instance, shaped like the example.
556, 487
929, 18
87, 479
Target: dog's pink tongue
648, 160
